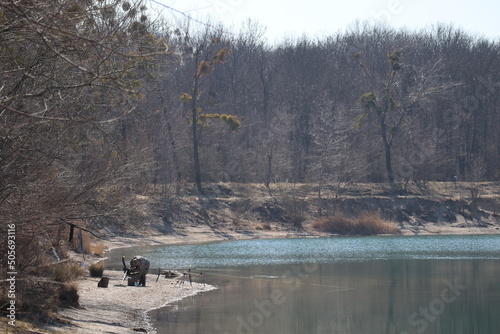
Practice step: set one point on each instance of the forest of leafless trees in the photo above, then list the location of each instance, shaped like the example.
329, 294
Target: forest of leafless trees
100, 99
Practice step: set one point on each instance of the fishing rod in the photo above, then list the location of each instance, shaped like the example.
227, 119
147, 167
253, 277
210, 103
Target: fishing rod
125, 269
181, 275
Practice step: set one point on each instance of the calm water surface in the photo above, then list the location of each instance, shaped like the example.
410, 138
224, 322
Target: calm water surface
424, 284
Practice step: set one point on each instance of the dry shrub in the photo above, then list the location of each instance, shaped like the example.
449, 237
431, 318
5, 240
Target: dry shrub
97, 249
36, 296
68, 295
96, 269
264, 226
28, 252
294, 206
41, 298
65, 272
365, 224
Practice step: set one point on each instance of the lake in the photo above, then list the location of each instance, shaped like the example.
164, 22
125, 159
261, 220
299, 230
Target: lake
400, 284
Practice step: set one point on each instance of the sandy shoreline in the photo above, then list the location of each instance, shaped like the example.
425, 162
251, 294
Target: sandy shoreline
109, 310
120, 308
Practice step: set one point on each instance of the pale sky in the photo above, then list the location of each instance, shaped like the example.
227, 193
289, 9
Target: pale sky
317, 18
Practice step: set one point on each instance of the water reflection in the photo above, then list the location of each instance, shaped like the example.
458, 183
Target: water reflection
397, 296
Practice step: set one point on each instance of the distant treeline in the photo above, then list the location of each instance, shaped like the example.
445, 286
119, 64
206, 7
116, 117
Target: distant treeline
333, 109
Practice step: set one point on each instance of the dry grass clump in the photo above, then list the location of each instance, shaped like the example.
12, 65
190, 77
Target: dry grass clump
365, 224
68, 295
97, 249
264, 226
65, 272
96, 269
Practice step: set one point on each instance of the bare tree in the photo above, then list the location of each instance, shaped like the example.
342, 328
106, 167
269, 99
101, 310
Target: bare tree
395, 101
204, 51
335, 156
68, 74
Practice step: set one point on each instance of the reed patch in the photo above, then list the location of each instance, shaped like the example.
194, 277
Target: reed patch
364, 224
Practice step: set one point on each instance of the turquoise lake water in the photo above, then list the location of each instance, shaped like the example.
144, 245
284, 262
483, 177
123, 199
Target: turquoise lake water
401, 284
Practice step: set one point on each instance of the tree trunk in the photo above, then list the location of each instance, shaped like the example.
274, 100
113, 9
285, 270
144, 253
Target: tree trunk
269, 168
388, 156
388, 166
71, 231
196, 153
194, 127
